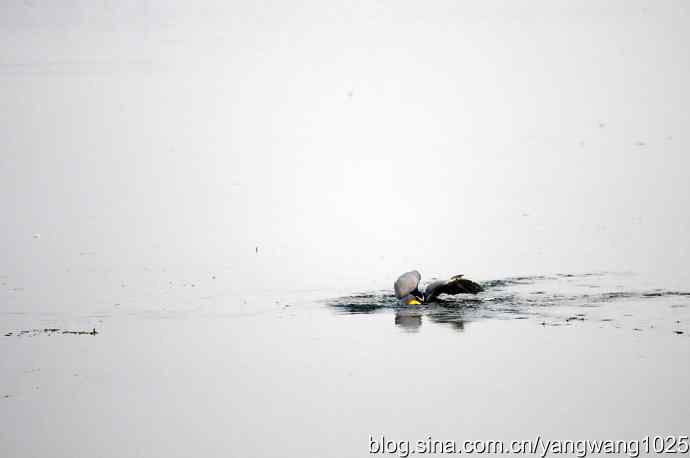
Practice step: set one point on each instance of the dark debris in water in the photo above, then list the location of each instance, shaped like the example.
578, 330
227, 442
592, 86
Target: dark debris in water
50, 332
578, 317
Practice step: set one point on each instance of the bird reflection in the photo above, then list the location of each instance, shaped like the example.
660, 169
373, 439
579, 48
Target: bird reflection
455, 320
408, 320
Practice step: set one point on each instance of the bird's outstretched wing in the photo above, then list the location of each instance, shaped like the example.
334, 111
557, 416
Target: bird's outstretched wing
406, 283
454, 285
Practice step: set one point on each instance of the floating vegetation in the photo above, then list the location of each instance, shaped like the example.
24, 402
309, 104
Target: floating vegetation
50, 332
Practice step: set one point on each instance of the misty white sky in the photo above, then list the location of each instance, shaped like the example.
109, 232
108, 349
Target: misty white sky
349, 141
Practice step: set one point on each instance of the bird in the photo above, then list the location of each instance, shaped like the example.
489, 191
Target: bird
407, 291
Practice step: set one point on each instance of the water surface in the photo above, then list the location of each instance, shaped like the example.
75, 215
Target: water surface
313, 373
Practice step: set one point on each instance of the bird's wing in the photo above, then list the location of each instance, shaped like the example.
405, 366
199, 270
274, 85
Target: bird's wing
406, 283
454, 285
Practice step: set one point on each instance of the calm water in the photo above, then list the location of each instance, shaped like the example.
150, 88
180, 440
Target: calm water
182, 370
205, 204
